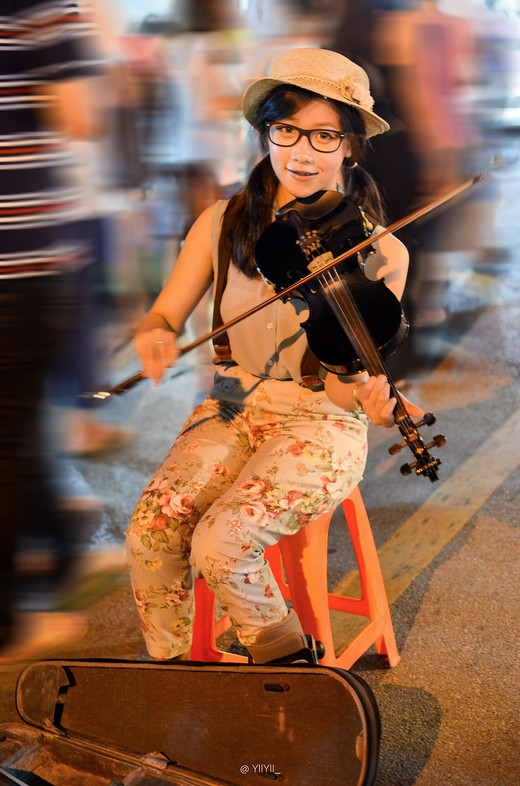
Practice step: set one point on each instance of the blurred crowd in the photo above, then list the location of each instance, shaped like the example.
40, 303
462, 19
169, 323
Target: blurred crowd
166, 138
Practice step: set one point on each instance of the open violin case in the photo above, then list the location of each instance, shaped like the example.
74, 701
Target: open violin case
123, 723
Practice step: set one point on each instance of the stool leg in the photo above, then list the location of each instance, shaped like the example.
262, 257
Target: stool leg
305, 561
372, 584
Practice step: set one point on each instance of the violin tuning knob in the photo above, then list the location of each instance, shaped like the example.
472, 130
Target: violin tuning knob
429, 469
437, 441
428, 419
396, 448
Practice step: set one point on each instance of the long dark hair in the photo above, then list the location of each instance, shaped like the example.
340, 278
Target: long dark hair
250, 211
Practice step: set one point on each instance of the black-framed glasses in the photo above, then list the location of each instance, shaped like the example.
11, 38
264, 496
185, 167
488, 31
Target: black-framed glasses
324, 140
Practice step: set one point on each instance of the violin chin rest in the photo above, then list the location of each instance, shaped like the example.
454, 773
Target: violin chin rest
311, 208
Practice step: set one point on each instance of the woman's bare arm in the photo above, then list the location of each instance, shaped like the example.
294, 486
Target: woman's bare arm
155, 340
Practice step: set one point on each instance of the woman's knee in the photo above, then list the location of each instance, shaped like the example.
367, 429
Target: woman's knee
146, 536
215, 547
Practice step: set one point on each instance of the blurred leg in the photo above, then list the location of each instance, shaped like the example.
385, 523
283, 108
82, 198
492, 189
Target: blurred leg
26, 344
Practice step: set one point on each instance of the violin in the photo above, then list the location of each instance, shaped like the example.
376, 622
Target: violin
306, 235
354, 323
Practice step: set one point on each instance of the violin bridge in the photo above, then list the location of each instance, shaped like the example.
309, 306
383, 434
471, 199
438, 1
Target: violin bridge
318, 262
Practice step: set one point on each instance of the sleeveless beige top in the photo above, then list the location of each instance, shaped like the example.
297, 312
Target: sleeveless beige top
271, 342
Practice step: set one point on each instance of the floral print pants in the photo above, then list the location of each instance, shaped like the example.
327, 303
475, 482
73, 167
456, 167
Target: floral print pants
256, 460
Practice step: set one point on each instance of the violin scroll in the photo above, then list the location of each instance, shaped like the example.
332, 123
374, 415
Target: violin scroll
428, 419
425, 464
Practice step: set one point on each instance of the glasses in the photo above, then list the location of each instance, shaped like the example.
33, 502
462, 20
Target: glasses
324, 140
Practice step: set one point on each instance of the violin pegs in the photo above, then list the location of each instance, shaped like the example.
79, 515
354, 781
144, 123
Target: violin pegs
428, 419
430, 469
396, 448
437, 441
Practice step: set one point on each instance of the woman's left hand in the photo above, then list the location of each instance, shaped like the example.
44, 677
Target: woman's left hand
378, 404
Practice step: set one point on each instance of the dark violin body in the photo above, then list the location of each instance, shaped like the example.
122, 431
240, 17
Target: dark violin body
282, 262
354, 323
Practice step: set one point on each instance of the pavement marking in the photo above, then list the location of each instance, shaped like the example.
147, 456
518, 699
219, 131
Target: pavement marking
436, 522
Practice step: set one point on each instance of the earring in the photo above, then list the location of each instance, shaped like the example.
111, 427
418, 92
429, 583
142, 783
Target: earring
347, 164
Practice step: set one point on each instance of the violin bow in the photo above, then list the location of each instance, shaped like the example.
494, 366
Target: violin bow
394, 227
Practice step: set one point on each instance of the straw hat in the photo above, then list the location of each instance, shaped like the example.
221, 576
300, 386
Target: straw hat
324, 72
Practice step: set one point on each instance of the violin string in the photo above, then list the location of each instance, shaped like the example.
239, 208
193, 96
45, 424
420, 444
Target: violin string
340, 291
349, 317
347, 313
336, 286
340, 296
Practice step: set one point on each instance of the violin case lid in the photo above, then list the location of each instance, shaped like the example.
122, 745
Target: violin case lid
124, 723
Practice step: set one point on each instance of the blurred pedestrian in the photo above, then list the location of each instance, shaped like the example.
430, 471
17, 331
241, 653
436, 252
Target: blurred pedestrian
109, 171
47, 70
391, 159
427, 57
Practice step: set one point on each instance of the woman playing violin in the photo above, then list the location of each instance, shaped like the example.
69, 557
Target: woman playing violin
264, 454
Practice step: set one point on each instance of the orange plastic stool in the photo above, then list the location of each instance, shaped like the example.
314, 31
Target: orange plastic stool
299, 562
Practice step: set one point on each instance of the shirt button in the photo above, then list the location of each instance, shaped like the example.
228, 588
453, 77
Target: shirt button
270, 362
269, 325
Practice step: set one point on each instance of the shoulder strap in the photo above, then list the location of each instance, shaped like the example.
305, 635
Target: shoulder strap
309, 369
221, 342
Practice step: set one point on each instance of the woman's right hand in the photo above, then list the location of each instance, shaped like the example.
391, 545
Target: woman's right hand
157, 349
155, 340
